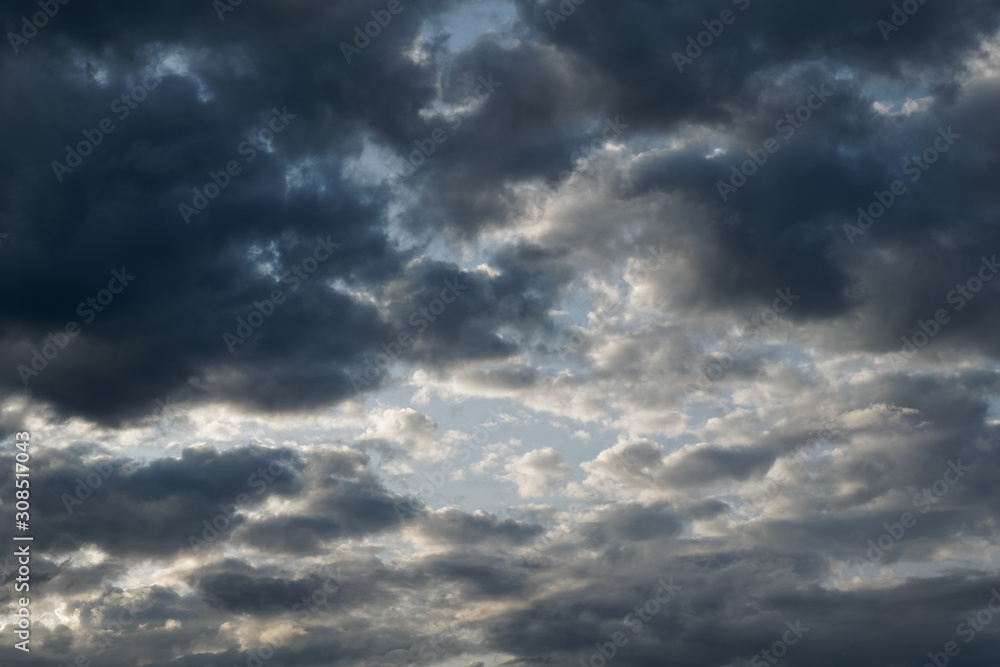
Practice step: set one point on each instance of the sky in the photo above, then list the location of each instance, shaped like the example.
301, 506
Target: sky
399, 333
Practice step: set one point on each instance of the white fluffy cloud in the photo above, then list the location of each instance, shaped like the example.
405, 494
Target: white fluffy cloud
537, 473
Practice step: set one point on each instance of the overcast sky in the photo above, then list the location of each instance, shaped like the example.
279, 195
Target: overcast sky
507, 332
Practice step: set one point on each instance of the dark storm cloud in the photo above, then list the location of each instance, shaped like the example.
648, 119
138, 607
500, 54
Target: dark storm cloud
709, 465
468, 328
479, 575
71, 581
457, 528
844, 153
239, 593
191, 283
526, 129
746, 597
688, 627
346, 500
632, 523
834, 164
148, 509
153, 509
119, 208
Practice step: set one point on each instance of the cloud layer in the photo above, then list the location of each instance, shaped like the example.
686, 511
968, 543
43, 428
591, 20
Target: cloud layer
503, 332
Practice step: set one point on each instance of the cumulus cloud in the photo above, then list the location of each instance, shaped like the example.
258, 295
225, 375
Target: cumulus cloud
536, 473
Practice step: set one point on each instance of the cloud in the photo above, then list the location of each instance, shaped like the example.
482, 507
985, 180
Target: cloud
563, 257
537, 473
